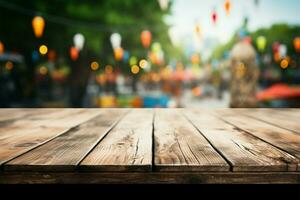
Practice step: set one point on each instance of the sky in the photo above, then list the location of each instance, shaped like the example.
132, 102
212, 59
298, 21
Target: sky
187, 13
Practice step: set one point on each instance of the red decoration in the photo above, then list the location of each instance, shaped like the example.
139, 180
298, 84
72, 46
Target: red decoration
146, 37
214, 17
74, 53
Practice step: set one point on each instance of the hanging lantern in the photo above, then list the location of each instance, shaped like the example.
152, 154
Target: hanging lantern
146, 37
214, 17
126, 56
38, 24
164, 4
115, 40
78, 40
133, 60
297, 44
1, 48
227, 6
282, 50
74, 53
261, 43
119, 52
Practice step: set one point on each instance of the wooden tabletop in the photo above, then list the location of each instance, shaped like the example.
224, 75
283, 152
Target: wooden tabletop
149, 146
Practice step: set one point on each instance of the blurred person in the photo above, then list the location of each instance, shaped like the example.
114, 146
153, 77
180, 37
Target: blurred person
244, 76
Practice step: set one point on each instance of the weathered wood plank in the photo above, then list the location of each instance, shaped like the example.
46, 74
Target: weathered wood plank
276, 118
128, 146
180, 147
244, 151
10, 115
281, 138
22, 135
65, 151
150, 178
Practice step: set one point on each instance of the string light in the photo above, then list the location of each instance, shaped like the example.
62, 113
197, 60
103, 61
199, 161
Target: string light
38, 24
115, 40
284, 64
79, 41
214, 16
94, 66
261, 43
143, 63
43, 49
135, 69
227, 6
74, 53
146, 37
297, 44
119, 53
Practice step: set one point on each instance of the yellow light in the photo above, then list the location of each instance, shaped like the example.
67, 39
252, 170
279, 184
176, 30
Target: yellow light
108, 69
143, 63
94, 66
43, 70
9, 65
38, 24
43, 49
284, 63
135, 69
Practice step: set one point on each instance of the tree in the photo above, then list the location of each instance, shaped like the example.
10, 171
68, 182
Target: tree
96, 20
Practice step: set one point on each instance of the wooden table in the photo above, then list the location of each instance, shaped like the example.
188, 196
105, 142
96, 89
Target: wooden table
149, 146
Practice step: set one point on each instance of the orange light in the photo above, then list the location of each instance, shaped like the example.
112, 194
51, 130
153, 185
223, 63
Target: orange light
297, 44
284, 64
43, 70
196, 91
9, 65
277, 56
119, 52
146, 37
74, 53
38, 24
43, 49
227, 6
135, 69
108, 69
195, 59
94, 66
1, 48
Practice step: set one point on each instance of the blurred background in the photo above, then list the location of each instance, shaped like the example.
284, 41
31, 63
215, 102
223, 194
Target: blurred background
145, 54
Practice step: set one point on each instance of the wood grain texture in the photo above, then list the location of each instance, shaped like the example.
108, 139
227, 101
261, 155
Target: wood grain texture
22, 135
65, 151
150, 178
128, 146
180, 147
244, 151
276, 118
281, 138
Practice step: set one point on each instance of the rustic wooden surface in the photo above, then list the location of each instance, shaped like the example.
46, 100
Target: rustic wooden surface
149, 146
